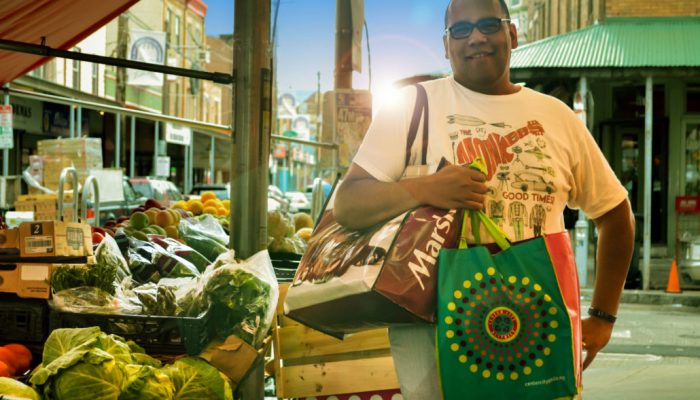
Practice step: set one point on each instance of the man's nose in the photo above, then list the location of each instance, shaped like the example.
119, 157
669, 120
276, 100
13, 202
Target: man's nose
476, 37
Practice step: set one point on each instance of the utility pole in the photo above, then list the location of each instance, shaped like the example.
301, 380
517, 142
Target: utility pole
343, 44
252, 96
120, 94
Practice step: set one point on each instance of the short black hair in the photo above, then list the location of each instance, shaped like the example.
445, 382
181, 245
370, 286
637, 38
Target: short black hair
504, 6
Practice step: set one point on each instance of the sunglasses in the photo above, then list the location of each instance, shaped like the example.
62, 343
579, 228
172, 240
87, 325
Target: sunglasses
487, 26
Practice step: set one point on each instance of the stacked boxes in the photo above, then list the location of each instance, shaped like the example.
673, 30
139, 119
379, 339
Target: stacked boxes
44, 206
82, 154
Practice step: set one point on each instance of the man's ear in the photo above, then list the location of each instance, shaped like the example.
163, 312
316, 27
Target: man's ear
444, 43
513, 36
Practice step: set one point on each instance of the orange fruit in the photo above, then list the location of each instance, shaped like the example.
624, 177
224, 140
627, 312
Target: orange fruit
207, 196
221, 211
212, 203
8, 357
181, 204
196, 207
164, 218
5, 370
226, 204
209, 210
22, 354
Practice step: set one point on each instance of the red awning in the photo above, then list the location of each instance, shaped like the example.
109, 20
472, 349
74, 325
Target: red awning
63, 23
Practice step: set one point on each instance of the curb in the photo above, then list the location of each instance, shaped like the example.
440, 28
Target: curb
653, 297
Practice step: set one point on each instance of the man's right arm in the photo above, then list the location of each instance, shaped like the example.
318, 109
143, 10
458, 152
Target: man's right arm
363, 201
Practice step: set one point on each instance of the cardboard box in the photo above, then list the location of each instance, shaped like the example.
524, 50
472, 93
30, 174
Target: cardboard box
9, 242
55, 239
29, 280
44, 206
26, 280
233, 357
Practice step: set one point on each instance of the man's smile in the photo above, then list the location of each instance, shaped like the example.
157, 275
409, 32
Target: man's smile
478, 55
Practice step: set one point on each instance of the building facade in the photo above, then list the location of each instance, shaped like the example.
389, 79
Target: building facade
622, 50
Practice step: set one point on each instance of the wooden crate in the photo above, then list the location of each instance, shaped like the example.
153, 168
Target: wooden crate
311, 363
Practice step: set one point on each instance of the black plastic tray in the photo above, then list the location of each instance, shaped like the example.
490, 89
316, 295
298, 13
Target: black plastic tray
23, 320
156, 334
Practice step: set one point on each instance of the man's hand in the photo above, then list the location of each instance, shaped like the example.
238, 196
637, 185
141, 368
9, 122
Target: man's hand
596, 334
451, 187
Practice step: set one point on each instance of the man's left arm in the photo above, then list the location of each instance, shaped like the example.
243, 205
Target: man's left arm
615, 246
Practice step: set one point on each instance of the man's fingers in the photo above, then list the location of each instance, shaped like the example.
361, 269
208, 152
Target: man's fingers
590, 355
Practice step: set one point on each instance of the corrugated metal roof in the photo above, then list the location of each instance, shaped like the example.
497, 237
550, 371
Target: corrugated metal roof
628, 42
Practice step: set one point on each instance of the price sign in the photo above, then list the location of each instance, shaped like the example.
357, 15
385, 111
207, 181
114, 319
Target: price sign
6, 137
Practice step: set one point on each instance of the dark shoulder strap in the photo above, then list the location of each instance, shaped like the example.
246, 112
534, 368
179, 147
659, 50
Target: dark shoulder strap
420, 107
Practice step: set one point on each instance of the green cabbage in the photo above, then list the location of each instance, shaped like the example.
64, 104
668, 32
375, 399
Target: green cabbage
87, 364
196, 379
16, 390
146, 383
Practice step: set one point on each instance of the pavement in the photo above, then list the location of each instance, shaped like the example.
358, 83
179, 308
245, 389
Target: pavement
688, 298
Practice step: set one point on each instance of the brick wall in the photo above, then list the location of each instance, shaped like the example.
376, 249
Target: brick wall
649, 8
554, 17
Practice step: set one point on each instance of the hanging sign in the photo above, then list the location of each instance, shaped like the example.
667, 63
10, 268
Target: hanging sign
6, 136
146, 46
178, 134
163, 166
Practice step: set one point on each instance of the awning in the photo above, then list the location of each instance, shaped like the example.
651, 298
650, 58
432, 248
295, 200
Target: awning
63, 24
630, 42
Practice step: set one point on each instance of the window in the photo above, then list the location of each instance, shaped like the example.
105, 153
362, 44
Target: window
515, 3
95, 79
176, 33
76, 72
692, 99
168, 27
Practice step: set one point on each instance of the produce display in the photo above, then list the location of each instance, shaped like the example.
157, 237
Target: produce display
288, 234
210, 204
172, 264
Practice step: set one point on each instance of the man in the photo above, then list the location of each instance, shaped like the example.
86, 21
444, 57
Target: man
532, 143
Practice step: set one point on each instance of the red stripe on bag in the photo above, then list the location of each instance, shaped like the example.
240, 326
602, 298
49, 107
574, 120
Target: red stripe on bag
562, 256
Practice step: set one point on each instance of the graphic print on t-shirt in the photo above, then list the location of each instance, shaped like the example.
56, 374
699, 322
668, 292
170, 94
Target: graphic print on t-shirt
520, 176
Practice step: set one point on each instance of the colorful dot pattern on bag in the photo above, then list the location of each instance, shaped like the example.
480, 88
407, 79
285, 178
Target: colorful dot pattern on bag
501, 326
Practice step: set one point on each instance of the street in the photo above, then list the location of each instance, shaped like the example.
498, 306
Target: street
654, 355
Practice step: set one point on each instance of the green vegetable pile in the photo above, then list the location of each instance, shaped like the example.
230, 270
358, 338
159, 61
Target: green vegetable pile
87, 364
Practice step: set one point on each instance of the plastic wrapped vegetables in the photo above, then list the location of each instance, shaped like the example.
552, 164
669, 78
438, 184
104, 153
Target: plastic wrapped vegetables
243, 297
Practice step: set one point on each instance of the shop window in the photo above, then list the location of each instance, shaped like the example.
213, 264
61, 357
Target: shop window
76, 71
692, 160
95, 79
692, 99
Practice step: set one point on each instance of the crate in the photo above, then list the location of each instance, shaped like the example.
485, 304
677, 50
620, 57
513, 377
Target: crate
23, 320
156, 334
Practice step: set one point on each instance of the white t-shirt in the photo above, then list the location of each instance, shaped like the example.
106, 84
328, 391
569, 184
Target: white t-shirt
539, 155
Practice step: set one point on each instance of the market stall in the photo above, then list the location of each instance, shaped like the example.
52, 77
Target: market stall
163, 280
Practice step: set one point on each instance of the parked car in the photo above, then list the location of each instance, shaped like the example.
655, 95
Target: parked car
222, 191
298, 201
117, 208
159, 189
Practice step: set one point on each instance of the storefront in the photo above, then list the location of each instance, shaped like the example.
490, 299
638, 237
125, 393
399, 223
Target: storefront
642, 106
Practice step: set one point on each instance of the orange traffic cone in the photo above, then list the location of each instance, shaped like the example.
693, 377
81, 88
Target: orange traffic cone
674, 284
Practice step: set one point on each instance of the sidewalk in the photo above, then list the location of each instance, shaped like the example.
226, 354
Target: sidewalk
689, 298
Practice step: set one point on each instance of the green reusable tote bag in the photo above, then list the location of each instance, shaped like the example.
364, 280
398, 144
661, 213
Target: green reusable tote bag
509, 323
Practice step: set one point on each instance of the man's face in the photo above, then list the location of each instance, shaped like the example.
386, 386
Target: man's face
480, 61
